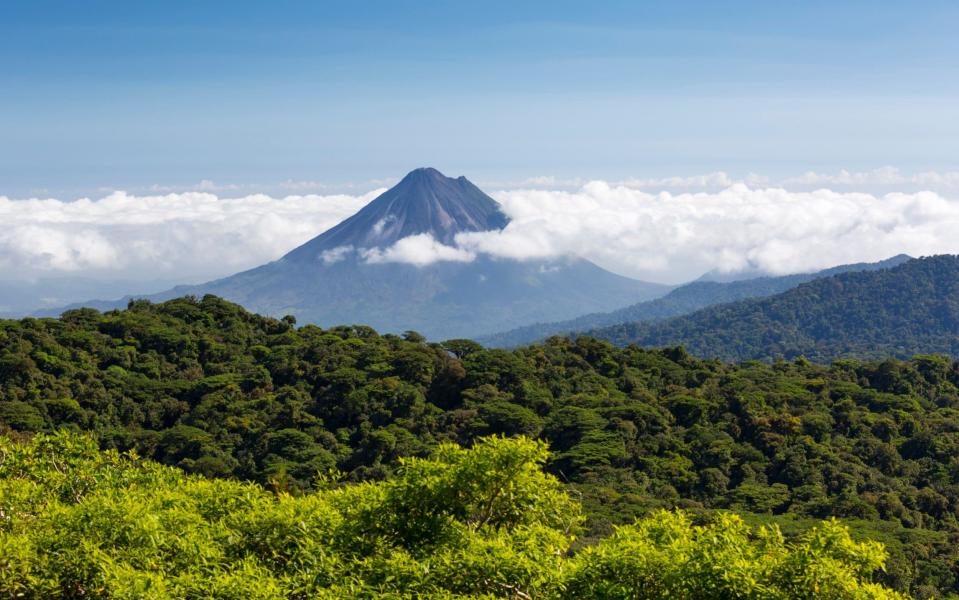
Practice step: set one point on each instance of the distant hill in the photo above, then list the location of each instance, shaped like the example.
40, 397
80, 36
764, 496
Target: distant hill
331, 280
683, 300
907, 310
22, 297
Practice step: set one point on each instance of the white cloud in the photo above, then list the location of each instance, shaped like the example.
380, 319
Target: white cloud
419, 250
885, 177
40, 247
671, 237
633, 226
187, 235
335, 255
379, 225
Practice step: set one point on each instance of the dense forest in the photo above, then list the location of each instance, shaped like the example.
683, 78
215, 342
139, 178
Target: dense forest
681, 301
479, 523
899, 312
202, 385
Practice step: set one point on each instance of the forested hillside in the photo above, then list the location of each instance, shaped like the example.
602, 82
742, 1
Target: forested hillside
207, 387
683, 300
899, 312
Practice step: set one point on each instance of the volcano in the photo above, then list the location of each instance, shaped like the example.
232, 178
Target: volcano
424, 202
354, 273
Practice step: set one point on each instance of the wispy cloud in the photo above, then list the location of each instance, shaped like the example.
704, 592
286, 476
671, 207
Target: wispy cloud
707, 181
879, 180
419, 250
881, 177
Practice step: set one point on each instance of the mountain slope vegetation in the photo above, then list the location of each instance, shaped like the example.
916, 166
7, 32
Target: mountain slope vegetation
683, 300
910, 309
203, 385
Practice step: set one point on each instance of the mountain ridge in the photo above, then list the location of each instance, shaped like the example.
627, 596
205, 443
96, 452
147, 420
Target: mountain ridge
687, 298
910, 309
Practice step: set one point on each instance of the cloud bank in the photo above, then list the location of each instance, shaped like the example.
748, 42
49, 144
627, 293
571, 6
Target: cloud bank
187, 235
668, 236
672, 237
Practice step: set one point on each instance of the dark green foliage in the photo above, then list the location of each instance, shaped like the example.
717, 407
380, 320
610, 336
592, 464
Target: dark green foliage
21, 416
911, 309
681, 301
206, 386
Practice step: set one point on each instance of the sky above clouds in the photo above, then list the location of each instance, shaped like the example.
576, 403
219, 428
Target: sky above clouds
107, 94
189, 140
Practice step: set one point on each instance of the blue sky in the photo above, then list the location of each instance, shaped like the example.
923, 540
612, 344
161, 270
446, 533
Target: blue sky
130, 94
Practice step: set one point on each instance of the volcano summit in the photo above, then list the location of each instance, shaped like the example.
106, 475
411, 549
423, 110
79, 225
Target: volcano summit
424, 202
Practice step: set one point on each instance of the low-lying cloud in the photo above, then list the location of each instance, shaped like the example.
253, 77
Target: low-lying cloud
667, 236
187, 235
671, 237
419, 250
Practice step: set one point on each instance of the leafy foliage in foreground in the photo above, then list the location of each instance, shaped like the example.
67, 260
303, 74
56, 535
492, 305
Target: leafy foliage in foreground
212, 389
910, 309
487, 522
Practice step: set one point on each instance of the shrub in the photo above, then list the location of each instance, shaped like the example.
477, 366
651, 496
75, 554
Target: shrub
479, 523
